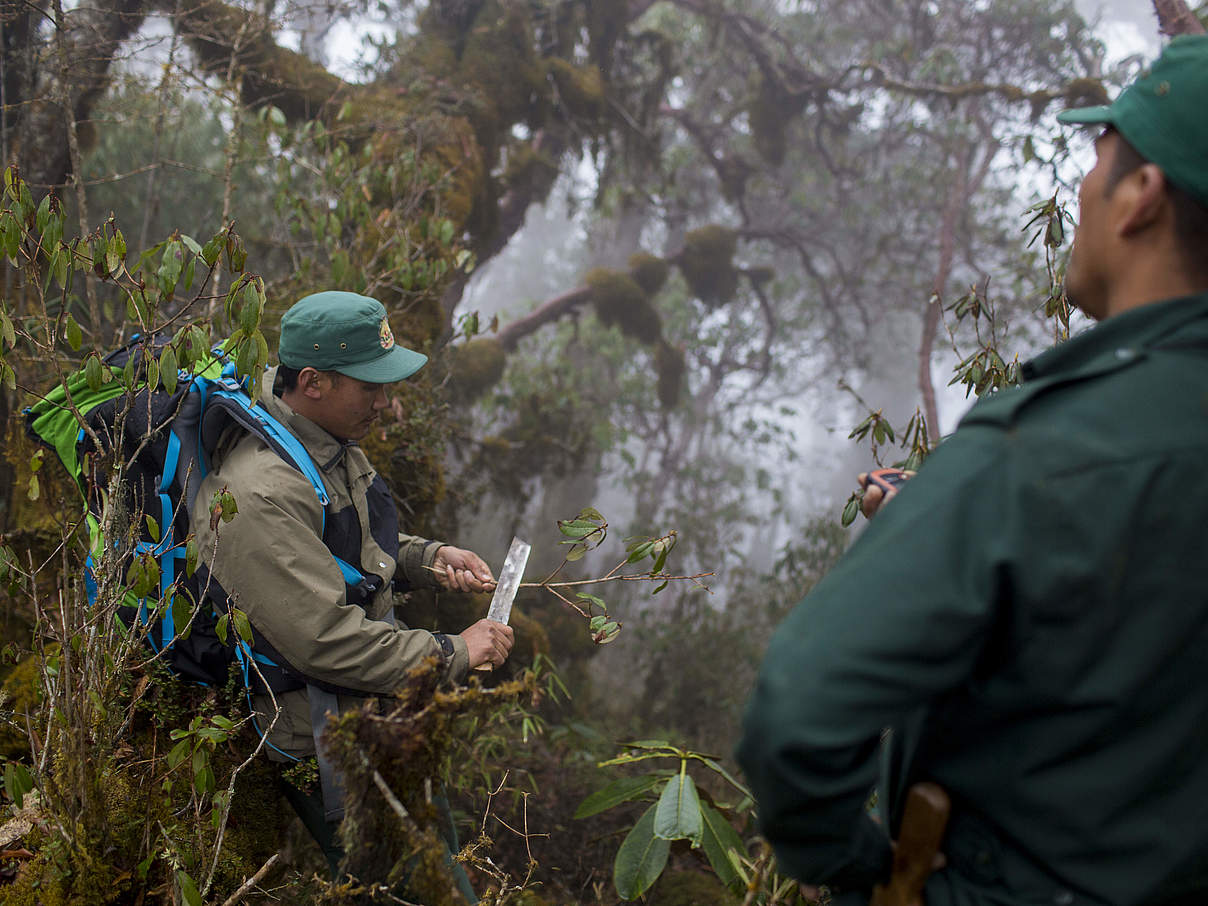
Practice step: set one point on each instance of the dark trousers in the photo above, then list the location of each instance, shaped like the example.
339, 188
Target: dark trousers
309, 807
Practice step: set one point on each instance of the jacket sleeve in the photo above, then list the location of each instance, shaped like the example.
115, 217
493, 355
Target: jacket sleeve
415, 558
271, 560
898, 621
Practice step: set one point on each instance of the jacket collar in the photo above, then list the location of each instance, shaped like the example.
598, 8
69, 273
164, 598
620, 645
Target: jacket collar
1124, 337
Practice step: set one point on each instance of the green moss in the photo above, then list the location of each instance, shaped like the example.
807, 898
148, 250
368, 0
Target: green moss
528, 171
707, 263
691, 888
499, 62
670, 366
580, 88
23, 693
475, 367
621, 302
401, 745
1085, 93
648, 271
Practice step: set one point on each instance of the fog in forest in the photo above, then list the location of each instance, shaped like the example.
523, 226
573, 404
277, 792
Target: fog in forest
691, 265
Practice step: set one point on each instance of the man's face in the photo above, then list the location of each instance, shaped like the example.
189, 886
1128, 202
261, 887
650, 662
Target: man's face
1087, 274
348, 408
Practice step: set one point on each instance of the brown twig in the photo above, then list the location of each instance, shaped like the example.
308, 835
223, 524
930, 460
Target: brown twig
252, 881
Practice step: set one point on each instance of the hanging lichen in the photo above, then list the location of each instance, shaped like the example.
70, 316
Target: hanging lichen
707, 263
670, 366
648, 271
770, 112
619, 301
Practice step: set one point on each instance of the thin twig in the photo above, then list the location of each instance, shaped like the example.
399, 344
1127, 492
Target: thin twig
252, 881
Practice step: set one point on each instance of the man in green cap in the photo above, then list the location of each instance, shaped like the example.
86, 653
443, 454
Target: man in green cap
1030, 618
329, 632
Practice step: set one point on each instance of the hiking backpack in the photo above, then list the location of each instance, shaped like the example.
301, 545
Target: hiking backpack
168, 439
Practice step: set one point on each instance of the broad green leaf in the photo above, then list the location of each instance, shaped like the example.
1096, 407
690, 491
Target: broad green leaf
622, 790
191, 244
7, 330
72, 332
242, 625
677, 816
718, 839
182, 610
190, 557
152, 528
17, 782
188, 890
169, 369
641, 858
220, 628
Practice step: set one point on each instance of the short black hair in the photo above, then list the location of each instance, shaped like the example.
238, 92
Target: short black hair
1190, 216
287, 379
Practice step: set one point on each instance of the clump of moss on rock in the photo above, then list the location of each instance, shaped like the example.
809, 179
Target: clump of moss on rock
621, 302
648, 271
707, 263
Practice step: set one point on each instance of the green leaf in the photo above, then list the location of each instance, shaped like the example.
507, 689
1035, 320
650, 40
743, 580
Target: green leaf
182, 610
92, 372
71, 330
220, 628
576, 528
188, 890
17, 782
191, 244
35, 489
597, 601
169, 369
718, 838
622, 790
640, 552
8, 377
446, 232
213, 249
678, 812
7, 330
190, 557
242, 625
43, 213
152, 528
641, 858
851, 509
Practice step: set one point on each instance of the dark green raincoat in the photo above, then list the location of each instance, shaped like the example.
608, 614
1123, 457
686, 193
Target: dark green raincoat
1030, 616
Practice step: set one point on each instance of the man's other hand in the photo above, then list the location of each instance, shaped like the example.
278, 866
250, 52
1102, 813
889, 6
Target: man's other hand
489, 643
874, 495
462, 570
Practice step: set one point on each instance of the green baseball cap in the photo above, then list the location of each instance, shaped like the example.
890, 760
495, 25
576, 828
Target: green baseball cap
348, 333
1162, 114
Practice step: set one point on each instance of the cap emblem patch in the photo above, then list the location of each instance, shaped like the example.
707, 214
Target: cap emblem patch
386, 336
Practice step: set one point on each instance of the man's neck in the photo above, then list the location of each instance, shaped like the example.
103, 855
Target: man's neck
1140, 285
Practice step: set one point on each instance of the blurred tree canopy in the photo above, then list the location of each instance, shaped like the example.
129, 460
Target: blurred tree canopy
764, 199
779, 195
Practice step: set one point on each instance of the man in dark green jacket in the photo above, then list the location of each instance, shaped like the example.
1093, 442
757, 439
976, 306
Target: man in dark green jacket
1031, 617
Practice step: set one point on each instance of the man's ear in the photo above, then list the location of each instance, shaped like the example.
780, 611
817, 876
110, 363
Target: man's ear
310, 382
1144, 195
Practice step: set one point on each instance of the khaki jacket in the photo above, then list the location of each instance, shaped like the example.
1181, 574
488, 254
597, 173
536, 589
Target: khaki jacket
272, 562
